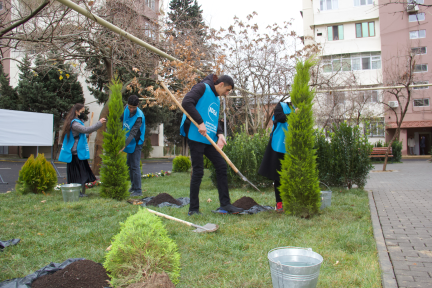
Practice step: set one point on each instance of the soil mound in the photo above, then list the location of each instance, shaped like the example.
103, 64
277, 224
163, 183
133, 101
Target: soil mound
83, 274
245, 203
163, 197
156, 281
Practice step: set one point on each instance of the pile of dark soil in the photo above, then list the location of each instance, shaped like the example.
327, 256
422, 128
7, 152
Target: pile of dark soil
83, 274
163, 197
245, 203
156, 281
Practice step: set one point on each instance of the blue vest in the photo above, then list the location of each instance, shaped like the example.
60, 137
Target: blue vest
82, 147
128, 123
278, 140
208, 107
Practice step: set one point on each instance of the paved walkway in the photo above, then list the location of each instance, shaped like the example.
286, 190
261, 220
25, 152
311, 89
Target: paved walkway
401, 210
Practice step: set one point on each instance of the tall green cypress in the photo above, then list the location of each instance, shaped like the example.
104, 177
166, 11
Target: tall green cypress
114, 171
299, 176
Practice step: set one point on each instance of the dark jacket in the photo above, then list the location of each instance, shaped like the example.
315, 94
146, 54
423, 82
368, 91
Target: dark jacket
191, 100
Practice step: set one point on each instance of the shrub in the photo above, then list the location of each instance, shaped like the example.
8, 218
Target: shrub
379, 143
147, 148
246, 153
207, 163
36, 176
299, 188
396, 150
344, 160
181, 164
141, 248
114, 170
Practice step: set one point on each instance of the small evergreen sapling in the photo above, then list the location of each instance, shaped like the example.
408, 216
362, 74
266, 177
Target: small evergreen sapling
114, 170
299, 177
37, 176
141, 248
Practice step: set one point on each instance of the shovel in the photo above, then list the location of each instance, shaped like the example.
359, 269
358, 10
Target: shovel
200, 229
208, 138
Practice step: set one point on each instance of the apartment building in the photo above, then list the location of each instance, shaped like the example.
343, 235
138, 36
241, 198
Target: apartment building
349, 34
407, 29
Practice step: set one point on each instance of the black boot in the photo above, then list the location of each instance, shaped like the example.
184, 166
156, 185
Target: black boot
83, 192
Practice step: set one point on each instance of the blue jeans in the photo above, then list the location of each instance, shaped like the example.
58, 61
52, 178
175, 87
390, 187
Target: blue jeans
133, 162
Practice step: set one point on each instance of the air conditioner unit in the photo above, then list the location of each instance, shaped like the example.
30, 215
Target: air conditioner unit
412, 8
393, 104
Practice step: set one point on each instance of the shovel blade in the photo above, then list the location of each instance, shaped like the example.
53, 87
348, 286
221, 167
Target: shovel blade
206, 228
246, 180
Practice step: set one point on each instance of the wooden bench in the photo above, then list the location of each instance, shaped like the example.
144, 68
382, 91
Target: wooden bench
379, 152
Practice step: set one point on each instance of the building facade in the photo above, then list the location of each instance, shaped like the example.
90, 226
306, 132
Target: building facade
404, 31
348, 32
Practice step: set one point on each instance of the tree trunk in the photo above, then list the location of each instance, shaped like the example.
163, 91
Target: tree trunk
390, 145
98, 150
55, 145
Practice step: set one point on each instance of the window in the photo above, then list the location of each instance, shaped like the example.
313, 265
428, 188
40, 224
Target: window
421, 82
335, 33
417, 34
416, 1
328, 5
416, 17
421, 102
319, 34
376, 128
362, 2
150, 4
418, 50
352, 62
421, 68
370, 96
1, 5
365, 29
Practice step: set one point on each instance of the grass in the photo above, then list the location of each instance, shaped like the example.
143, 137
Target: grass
234, 256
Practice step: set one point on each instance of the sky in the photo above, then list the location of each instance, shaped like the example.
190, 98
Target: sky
220, 13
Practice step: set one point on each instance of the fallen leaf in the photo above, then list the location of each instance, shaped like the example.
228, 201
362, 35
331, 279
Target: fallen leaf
39, 234
337, 262
109, 248
43, 201
209, 200
8, 191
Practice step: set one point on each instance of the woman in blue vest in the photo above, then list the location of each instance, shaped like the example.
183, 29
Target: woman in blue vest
275, 151
75, 150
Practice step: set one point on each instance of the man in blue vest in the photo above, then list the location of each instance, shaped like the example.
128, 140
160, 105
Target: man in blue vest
134, 123
202, 103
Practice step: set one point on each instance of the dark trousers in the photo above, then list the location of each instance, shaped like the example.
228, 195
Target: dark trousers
133, 162
276, 188
197, 150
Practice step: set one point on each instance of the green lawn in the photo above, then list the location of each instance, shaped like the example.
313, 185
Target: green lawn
234, 256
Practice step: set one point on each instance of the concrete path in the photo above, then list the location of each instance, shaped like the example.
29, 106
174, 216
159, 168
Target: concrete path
401, 210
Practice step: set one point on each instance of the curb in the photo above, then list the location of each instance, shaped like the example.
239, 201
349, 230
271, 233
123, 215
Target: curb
388, 277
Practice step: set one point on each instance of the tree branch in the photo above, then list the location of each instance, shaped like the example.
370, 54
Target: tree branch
24, 20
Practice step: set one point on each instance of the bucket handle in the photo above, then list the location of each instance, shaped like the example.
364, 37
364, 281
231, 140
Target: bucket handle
278, 263
326, 186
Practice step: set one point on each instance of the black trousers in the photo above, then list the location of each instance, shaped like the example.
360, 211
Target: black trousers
197, 150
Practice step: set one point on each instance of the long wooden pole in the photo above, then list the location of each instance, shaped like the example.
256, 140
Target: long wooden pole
91, 122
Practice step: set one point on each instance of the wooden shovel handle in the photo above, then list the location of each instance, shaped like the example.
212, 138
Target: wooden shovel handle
196, 124
171, 218
91, 122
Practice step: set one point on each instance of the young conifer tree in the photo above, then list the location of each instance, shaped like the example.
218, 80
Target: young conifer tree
114, 170
299, 176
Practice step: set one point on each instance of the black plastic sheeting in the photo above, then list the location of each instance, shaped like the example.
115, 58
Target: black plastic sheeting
256, 209
4, 244
183, 200
27, 280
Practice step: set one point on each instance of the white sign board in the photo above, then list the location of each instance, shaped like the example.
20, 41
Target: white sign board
18, 128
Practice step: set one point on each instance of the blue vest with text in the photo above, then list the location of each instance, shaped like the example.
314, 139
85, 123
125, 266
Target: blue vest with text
208, 107
128, 123
82, 147
278, 140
